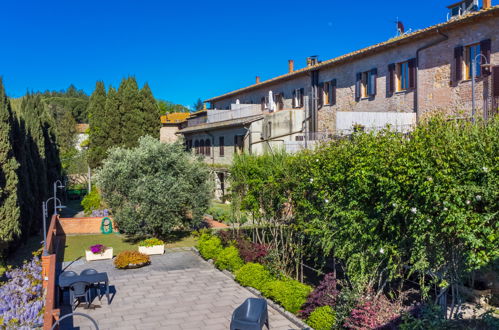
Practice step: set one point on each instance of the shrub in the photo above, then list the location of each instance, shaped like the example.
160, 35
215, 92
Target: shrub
322, 318
151, 242
209, 246
21, 297
229, 259
220, 213
92, 201
425, 317
372, 312
155, 188
130, 259
251, 252
326, 293
289, 293
253, 275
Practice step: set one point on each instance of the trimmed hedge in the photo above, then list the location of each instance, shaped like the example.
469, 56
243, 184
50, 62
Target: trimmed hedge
290, 294
253, 275
322, 318
229, 259
209, 246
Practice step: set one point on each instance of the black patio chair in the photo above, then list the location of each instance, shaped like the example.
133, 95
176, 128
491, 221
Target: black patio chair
91, 271
251, 315
68, 273
77, 291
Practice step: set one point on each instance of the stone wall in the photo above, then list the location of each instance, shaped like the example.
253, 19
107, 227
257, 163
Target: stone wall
167, 133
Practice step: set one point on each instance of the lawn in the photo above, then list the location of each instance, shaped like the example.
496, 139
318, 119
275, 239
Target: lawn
74, 246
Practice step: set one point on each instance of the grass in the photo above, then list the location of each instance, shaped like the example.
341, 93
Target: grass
220, 211
73, 247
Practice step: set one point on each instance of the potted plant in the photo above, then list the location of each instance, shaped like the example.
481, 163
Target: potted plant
152, 246
98, 252
131, 260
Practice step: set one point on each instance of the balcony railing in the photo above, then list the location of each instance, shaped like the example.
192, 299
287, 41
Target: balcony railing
237, 111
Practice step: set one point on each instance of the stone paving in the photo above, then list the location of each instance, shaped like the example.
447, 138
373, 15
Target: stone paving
179, 290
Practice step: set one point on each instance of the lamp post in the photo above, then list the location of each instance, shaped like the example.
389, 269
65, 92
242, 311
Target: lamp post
57, 203
473, 76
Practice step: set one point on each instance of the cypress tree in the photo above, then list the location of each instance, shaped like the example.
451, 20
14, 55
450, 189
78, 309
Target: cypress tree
149, 112
113, 119
98, 121
9, 207
131, 116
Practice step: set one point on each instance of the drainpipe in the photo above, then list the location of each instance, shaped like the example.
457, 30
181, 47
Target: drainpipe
416, 92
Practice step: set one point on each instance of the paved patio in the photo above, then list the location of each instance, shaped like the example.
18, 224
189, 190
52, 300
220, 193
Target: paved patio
179, 290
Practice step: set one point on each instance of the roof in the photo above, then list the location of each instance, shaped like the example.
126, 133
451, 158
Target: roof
174, 118
82, 128
492, 11
220, 124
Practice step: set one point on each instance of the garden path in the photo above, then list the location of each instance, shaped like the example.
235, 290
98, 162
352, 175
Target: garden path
179, 290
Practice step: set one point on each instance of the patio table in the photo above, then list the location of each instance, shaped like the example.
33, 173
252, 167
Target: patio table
65, 282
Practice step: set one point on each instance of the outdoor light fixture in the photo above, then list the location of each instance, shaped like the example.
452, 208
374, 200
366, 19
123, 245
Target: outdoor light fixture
57, 205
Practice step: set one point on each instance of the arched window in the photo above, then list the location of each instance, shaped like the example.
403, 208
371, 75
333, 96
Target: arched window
207, 147
196, 147
201, 147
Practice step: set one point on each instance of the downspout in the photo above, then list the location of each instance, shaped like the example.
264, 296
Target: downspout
416, 92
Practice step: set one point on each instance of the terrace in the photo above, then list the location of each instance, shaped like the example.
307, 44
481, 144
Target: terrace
179, 290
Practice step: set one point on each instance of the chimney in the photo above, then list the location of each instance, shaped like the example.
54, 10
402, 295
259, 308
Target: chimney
291, 66
257, 79
487, 4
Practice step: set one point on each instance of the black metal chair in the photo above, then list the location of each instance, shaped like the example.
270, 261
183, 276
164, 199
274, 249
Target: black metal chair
68, 273
77, 291
251, 315
91, 271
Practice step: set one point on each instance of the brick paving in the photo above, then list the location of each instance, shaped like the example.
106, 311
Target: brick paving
179, 290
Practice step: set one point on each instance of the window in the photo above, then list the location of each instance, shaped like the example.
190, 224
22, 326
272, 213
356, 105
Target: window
326, 93
470, 53
201, 147
207, 147
279, 101
402, 76
365, 85
196, 147
238, 143
221, 143
298, 98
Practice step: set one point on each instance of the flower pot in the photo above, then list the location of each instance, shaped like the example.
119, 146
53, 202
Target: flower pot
156, 249
108, 254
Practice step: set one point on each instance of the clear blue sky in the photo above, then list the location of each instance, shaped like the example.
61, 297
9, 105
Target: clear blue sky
187, 49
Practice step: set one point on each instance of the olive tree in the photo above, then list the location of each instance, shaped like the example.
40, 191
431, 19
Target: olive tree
154, 188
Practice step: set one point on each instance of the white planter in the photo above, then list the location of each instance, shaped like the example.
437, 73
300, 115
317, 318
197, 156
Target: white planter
108, 254
156, 249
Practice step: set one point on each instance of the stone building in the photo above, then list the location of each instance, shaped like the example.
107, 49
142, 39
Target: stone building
397, 82
170, 124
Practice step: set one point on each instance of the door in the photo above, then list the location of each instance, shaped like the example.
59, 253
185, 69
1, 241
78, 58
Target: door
495, 91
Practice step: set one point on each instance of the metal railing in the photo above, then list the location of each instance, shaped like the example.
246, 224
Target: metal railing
237, 111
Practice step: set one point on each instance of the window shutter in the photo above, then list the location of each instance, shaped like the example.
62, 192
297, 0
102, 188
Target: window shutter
294, 98
412, 73
320, 96
221, 146
333, 92
302, 91
374, 75
485, 46
391, 79
458, 62
357, 86
262, 103
495, 81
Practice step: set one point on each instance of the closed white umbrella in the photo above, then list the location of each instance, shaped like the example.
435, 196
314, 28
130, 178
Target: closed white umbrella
271, 102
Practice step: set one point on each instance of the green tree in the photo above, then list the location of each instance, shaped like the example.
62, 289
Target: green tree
149, 112
166, 107
155, 188
98, 122
199, 105
9, 206
113, 124
131, 115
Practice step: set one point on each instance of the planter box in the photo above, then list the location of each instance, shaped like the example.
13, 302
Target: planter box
156, 249
108, 254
